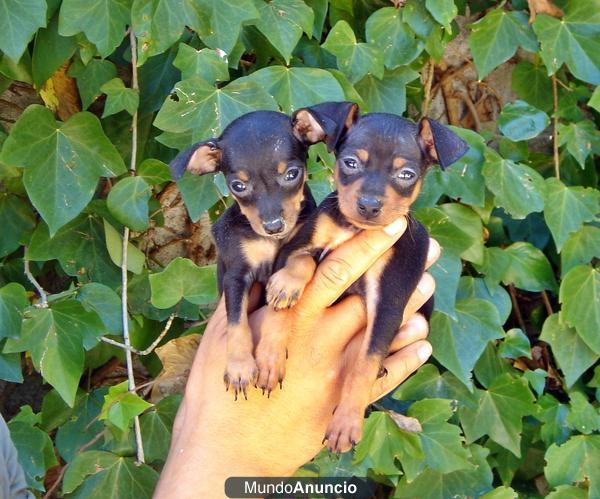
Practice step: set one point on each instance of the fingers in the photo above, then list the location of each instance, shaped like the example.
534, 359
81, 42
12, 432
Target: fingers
348, 262
400, 366
433, 253
424, 291
414, 329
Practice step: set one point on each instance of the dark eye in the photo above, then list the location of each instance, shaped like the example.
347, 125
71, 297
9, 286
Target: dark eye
291, 174
237, 186
406, 174
350, 163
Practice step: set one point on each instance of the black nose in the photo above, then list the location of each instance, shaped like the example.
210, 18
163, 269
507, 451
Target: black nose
369, 206
273, 226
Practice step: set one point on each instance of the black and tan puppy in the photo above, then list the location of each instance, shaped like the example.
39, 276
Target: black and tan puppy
263, 157
380, 163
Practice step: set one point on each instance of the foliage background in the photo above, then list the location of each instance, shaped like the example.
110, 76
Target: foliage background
508, 406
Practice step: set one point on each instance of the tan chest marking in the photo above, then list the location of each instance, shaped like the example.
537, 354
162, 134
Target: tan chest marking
259, 251
329, 235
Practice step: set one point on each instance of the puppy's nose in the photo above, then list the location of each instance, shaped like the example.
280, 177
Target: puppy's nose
273, 226
369, 206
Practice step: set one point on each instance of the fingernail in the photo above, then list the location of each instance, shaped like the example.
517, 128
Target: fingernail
424, 352
424, 285
396, 227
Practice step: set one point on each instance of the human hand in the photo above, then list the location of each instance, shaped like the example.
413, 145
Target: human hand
215, 437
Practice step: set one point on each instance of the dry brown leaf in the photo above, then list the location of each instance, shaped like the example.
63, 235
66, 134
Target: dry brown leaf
177, 357
543, 7
406, 423
60, 94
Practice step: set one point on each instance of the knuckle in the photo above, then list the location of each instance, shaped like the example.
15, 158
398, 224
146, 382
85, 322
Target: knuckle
334, 273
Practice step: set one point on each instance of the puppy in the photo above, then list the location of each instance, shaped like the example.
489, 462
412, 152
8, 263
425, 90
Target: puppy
380, 163
263, 157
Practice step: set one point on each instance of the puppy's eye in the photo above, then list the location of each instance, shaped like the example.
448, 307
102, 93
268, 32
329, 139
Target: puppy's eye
350, 163
237, 186
291, 174
406, 174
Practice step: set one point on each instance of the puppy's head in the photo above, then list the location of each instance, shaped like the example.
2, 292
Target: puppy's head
380, 163
263, 157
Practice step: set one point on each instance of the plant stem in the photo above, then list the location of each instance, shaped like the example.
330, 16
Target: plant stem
428, 84
43, 295
516, 308
151, 347
124, 307
555, 125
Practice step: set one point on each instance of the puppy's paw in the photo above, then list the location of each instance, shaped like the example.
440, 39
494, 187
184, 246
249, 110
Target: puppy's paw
284, 289
240, 373
270, 359
344, 430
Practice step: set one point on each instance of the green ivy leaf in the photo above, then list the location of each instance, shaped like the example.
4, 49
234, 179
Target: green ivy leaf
128, 202
581, 139
573, 355
154, 171
520, 121
17, 221
226, 18
457, 344
383, 442
439, 225
56, 338
443, 11
576, 460
495, 39
105, 302
489, 366
501, 493
103, 22
568, 492
567, 208
121, 406
282, 22
119, 98
114, 245
516, 187
580, 298
385, 28
62, 170
157, 424
207, 110
50, 52
354, 59
183, 279
581, 247
92, 473
446, 272
19, 20
470, 223
515, 344
35, 451
553, 415
90, 79
499, 413
472, 287
528, 268
199, 193
531, 83
13, 300
431, 484
79, 247
595, 99
573, 40
206, 63
583, 416
10, 366
294, 88
387, 93
537, 380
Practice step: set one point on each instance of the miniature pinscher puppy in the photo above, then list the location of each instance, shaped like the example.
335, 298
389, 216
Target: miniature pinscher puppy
380, 163
263, 157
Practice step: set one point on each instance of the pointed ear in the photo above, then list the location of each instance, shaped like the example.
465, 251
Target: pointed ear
199, 159
325, 122
440, 144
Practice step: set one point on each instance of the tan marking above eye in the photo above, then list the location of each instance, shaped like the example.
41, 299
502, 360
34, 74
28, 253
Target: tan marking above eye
398, 162
363, 155
243, 175
281, 167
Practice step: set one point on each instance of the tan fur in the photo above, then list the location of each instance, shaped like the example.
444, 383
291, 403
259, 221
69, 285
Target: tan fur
398, 162
204, 160
363, 155
328, 234
281, 167
251, 213
426, 137
257, 251
307, 128
243, 175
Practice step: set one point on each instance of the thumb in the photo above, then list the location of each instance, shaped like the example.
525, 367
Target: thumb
348, 262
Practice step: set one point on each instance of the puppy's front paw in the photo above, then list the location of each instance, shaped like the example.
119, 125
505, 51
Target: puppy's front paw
345, 429
271, 355
239, 374
284, 289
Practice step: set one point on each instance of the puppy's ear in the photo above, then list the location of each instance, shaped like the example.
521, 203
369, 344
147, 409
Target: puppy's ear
439, 143
201, 158
324, 122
